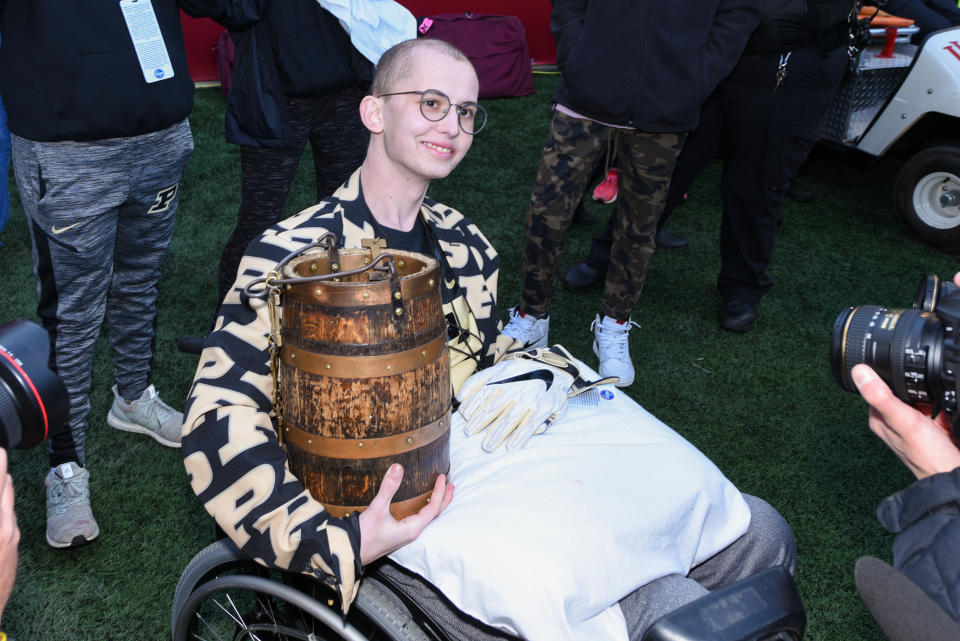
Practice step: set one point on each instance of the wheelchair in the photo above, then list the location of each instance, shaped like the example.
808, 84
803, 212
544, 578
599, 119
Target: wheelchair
224, 595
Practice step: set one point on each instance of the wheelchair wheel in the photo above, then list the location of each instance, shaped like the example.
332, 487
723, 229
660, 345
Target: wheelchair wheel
222, 595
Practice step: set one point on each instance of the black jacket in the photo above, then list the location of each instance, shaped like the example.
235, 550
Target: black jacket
793, 24
68, 70
647, 64
926, 519
283, 48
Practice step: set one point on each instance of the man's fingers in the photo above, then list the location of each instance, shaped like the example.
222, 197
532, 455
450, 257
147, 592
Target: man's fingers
6, 494
875, 392
439, 499
388, 488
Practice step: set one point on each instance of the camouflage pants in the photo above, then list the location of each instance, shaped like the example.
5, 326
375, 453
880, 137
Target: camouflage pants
574, 148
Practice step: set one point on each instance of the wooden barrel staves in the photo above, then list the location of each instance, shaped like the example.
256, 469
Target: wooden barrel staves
365, 376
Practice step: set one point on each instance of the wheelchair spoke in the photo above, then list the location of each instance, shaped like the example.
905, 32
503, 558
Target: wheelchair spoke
217, 601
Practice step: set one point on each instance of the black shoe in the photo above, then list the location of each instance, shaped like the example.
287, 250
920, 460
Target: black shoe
581, 276
581, 216
191, 344
800, 193
667, 240
737, 316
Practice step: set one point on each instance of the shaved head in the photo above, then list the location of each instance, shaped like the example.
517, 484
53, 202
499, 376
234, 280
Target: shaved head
396, 61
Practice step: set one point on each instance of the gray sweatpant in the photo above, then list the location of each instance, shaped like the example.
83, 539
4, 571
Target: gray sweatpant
101, 217
768, 542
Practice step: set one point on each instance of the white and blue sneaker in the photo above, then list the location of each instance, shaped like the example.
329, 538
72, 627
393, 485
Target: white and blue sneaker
611, 345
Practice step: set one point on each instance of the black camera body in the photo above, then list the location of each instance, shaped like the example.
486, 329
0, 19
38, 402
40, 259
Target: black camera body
915, 351
33, 400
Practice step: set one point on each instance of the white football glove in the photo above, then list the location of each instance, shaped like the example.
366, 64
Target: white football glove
520, 396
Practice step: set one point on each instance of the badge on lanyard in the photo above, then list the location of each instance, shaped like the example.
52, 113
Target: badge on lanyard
147, 39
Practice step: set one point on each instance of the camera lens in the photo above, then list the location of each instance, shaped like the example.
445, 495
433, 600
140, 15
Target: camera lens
33, 400
904, 347
930, 291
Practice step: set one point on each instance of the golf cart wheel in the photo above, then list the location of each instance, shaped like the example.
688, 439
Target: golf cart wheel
927, 196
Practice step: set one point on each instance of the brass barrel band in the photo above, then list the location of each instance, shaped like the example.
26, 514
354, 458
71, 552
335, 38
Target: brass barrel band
363, 366
366, 448
351, 294
421, 279
399, 509
361, 350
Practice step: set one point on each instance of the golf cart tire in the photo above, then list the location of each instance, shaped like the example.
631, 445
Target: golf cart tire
927, 196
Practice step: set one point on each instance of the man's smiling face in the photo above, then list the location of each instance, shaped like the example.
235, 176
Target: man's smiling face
425, 149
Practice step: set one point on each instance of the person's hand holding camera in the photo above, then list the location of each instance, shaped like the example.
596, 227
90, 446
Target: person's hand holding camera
922, 443
9, 534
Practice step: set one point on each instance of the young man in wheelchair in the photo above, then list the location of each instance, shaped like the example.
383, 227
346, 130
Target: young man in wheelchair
422, 115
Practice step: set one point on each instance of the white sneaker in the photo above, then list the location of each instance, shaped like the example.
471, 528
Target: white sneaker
612, 347
530, 330
70, 520
146, 415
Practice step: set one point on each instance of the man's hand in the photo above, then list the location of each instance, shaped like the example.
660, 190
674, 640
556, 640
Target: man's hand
921, 443
9, 534
380, 533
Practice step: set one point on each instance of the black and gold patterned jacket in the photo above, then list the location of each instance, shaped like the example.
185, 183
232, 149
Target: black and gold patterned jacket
236, 466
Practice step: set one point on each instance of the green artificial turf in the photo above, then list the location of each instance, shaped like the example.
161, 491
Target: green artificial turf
763, 405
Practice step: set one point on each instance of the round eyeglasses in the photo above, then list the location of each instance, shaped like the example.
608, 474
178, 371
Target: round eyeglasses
435, 104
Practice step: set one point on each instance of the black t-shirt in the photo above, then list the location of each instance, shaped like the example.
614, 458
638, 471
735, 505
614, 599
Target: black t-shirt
415, 240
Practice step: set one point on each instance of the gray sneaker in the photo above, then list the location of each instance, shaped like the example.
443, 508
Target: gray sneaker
146, 415
70, 521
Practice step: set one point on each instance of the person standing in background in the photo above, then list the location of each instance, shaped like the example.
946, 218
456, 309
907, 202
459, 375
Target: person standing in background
97, 157
636, 70
4, 167
298, 77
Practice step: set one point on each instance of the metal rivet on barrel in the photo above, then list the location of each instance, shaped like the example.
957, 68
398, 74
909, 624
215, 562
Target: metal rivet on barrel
360, 444
432, 282
336, 280
397, 295
423, 352
398, 311
330, 601
389, 368
289, 287
366, 295
314, 267
366, 261
318, 292
334, 266
409, 439
328, 366
428, 499
309, 441
400, 263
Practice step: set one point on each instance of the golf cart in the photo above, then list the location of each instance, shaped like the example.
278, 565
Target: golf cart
907, 97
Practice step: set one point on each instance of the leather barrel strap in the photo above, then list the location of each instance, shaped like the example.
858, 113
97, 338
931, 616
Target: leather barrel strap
365, 448
399, 509
363, 366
